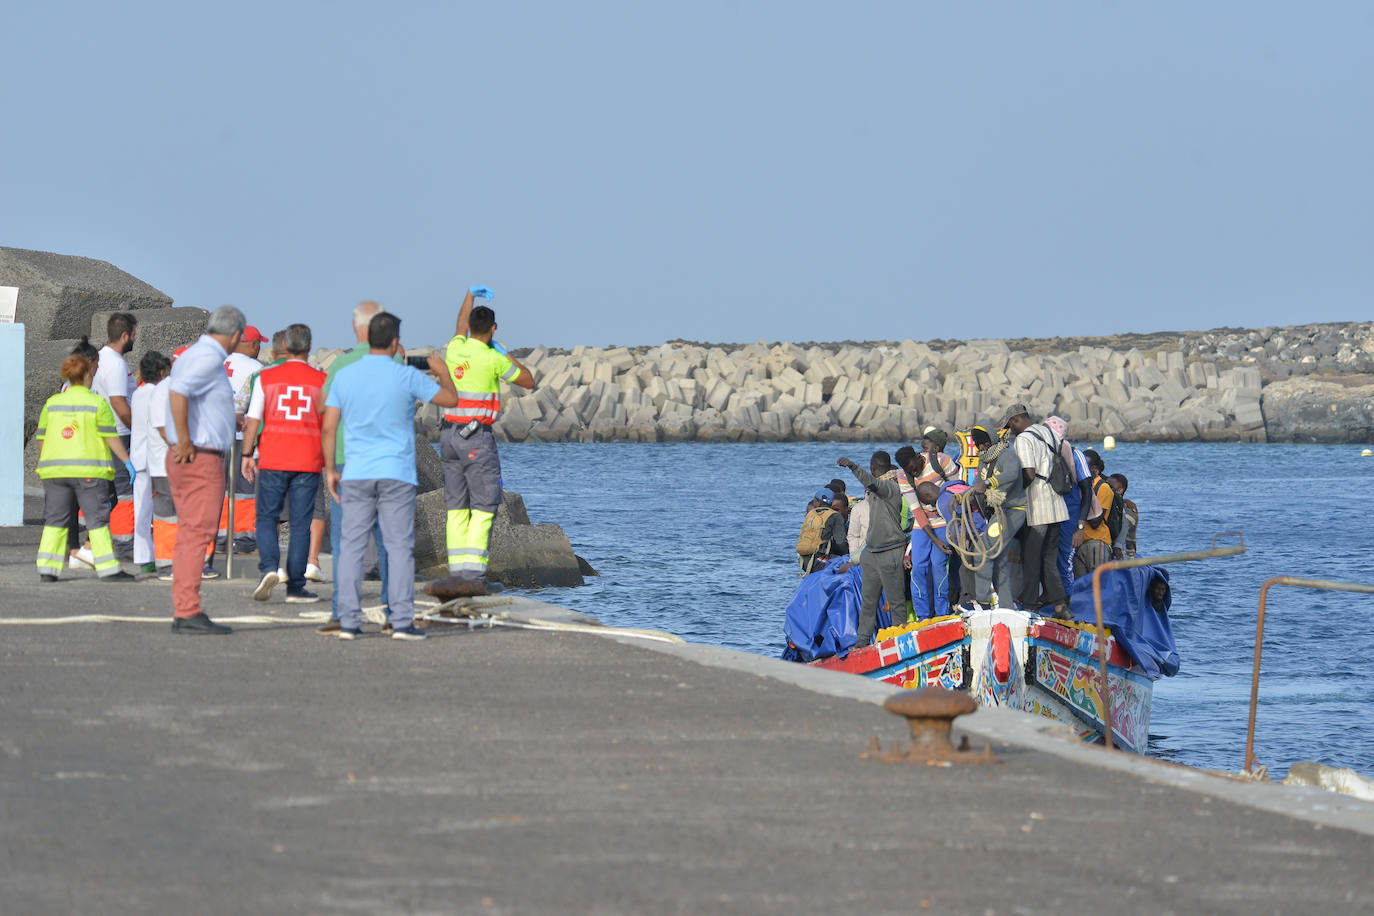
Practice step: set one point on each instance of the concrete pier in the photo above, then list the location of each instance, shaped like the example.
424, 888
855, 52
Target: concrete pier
553, 771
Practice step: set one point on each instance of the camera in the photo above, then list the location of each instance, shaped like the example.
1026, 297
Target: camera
419, 362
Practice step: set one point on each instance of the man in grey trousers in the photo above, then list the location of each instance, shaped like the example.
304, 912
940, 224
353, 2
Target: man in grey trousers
375, 399
888, 525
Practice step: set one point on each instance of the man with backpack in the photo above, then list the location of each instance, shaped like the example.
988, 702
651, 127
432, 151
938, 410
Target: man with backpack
1101, 530
822, 532
1048, 477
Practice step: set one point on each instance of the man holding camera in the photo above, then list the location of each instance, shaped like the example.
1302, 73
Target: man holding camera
374, 399
472, 468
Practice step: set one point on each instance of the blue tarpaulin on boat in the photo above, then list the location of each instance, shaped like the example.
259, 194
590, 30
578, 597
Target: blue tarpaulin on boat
1139, 628
823, 615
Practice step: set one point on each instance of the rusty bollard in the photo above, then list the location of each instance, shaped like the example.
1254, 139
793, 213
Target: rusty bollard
930, 713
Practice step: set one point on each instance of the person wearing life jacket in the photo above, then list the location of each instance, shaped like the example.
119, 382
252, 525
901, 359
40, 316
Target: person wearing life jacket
78, 432
823, 533
286, 404
467, 446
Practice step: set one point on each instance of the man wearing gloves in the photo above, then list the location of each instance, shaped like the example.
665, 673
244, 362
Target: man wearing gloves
472, 468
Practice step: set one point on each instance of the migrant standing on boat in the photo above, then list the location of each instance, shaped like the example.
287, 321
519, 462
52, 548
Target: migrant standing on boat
888, 524
823, 532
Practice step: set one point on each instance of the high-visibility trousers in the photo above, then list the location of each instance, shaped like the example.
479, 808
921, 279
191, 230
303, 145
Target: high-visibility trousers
165, 524
60, 495
472, 494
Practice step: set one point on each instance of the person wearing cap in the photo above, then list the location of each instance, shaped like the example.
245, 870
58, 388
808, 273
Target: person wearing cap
1078, 501
823, 532
243, 365
888, 524
1041, 585
467, 445
200, 433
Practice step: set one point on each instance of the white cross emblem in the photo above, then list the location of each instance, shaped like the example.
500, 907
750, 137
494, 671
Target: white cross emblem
293, 403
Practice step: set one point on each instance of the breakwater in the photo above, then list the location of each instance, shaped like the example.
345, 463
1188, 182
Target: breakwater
1308, 383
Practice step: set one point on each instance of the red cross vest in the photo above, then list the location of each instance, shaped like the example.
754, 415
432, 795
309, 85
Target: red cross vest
292, 395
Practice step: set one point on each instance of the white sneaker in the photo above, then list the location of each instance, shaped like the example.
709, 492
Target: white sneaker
81, 559
264, 589
281, 574
314, 573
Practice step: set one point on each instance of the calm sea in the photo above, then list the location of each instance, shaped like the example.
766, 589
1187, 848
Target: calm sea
698, 539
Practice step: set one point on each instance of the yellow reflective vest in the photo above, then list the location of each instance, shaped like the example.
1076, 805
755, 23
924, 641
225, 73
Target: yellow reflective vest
73, 427
477, 371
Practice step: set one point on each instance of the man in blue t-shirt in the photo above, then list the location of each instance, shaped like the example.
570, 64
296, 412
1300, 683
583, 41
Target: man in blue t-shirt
374, 399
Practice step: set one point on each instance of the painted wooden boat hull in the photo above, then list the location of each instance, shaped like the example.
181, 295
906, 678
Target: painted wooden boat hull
1015, 660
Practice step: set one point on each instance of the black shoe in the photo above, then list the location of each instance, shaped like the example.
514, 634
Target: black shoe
328, 628
120, 576
46, 577
199, 625
372, 575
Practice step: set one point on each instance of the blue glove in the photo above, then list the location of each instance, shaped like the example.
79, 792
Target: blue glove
129, 466
481, 292
499, 347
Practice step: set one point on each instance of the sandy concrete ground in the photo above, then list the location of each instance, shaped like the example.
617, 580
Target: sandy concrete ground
512, 771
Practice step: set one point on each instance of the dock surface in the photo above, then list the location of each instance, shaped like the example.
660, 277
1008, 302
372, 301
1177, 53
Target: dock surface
502, 771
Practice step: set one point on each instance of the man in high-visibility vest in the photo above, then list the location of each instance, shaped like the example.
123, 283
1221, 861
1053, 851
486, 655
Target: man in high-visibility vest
472, 468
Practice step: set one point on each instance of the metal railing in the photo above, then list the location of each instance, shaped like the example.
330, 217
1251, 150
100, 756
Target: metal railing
1296, 582
1210, 553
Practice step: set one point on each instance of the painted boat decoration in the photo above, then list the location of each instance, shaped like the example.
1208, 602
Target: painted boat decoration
1015, 660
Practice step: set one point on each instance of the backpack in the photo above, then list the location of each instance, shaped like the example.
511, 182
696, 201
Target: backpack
1061, 479
1115, 515
809, 542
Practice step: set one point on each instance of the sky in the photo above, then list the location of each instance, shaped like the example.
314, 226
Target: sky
630, 173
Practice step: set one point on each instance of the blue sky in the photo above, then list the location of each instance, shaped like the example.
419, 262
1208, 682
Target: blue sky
630, 173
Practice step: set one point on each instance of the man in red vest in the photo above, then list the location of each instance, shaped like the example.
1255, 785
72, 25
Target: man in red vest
286, 405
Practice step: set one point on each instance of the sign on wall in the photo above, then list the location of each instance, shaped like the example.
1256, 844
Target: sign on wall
9, 302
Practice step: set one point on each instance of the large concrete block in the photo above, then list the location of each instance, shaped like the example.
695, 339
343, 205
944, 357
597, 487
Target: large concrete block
522, 555
59, 293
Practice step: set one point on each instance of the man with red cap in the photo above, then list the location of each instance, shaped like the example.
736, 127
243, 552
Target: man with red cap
242, 365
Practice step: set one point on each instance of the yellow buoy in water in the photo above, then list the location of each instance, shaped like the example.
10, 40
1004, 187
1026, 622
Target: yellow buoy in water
1367, 453
1109, 442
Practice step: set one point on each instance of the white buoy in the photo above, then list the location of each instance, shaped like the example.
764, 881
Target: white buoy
1367, 453
1109, 442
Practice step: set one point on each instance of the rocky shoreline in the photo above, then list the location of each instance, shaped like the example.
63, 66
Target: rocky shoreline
1305, 383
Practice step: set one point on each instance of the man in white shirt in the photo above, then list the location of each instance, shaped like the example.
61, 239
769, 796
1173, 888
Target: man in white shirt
151, 370
1041, 585
115, 383
243, 365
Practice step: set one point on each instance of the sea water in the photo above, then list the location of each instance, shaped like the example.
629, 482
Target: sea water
698, 538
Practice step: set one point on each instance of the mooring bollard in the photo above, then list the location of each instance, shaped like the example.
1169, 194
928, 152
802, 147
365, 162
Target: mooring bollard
930, 713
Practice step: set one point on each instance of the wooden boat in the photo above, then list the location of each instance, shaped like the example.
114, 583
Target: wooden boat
1016, 660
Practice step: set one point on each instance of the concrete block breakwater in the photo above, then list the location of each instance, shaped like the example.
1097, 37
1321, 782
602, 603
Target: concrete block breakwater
1308, 383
